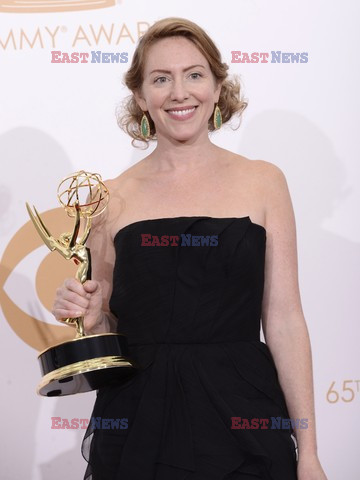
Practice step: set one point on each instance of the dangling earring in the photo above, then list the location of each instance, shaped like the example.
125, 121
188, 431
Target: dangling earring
145, 127
217, 118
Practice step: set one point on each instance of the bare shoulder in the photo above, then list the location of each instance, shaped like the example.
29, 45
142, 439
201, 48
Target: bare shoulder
261, 169
113, 184
271, 173
116, 203
271, 182
125, 180
120, 188
263, 182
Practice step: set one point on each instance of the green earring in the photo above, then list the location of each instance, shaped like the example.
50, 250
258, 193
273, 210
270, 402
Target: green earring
145, 127
217, 118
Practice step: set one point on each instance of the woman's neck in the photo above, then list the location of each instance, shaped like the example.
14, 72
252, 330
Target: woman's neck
182, 158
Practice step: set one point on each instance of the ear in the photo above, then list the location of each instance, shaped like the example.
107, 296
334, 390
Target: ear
140, 100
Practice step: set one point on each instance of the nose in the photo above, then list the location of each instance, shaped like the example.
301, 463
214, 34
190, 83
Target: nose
179, 90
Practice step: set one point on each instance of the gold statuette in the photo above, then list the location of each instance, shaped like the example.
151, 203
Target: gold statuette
87, 362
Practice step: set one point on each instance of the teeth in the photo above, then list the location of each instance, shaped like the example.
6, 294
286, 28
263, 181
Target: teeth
182, 112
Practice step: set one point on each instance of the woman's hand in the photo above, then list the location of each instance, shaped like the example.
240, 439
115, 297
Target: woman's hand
309, 468
74, 299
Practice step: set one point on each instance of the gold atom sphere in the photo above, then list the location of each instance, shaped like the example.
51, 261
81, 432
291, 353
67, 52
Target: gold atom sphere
85, 189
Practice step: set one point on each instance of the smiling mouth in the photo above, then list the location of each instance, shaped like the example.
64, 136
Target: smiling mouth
183, 112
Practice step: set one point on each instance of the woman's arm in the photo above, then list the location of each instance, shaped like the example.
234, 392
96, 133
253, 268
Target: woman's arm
283, 321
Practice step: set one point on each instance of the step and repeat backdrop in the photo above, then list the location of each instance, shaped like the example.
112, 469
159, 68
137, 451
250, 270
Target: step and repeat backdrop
61, 75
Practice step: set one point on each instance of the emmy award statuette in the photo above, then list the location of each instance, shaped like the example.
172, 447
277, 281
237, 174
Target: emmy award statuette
87, 362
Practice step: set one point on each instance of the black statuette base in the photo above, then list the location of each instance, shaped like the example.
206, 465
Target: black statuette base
85, 364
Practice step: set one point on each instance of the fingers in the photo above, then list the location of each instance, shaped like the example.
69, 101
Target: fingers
74, 285
74, 299
71, 300
90, 286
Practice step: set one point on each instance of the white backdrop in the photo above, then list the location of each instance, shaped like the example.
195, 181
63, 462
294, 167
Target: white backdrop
57, 118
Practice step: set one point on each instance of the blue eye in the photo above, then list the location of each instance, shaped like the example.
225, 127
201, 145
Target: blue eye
160, 80
195, 75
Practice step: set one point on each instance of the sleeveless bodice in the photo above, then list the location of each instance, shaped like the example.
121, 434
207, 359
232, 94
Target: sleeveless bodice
190, 294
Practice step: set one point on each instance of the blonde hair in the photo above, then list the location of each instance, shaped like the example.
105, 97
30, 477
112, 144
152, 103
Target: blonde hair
230, 102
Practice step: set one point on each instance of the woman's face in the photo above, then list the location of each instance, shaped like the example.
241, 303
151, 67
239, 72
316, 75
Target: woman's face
179, 90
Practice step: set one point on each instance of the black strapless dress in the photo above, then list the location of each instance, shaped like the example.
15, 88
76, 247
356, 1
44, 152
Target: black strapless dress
192, 318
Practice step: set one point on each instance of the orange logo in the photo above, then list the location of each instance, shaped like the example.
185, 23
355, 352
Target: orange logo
34, 6
50, 274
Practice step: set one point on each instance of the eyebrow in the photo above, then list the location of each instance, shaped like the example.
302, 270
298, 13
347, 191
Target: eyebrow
184, 70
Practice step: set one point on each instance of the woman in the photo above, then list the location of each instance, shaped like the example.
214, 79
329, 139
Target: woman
192, 314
